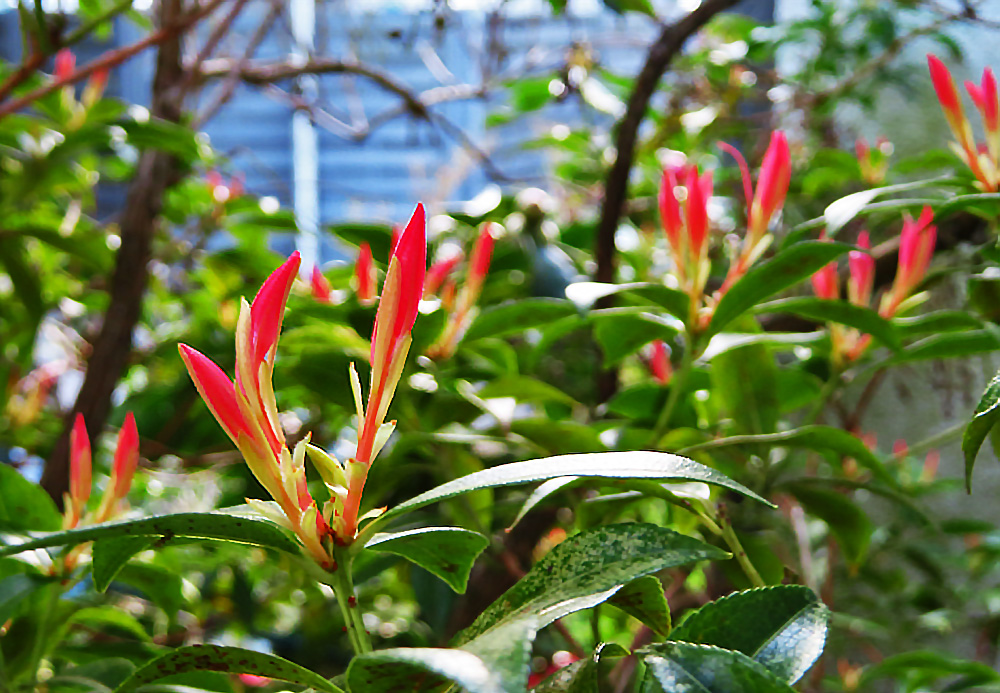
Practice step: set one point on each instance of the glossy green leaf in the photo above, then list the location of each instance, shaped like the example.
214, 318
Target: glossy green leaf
985, 417
936, 323
676, 303
787, 268
607, 465
110, 618
221, 526
623, 331
781, 627
949, 345
231, 659
448, 552
587, 569
582, 675
514, 317
845, 518
839, 212
745, 381
544, 490
494, 663
110, 555
680, 667
644, 599
863, 319
525, 389
814, 437
24, 506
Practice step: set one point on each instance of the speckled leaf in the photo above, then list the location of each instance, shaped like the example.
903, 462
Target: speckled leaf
582, 676
680, 667
111, 555
234, 660
587, 569
447, 552
787, 268
986, 416
222, 526
496, 662
24, 506
644, 599
782, 627
640, 464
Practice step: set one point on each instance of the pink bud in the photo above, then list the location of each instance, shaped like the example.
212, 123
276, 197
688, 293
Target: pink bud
98, 82
916, 246
659, 362
126, 457
931, 463
65, 63
320, 286
699, 190
670, 209
364, 274
438, 272
825, 281
986, 100
899, 448
216, 389
772, 184
862, 271
482, 253
410, 251
79, 464
861, 148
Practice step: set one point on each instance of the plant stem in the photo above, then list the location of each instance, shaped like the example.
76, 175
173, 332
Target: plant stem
729, 536
829, 387
677, 384
42, 635
946, 436
343, 588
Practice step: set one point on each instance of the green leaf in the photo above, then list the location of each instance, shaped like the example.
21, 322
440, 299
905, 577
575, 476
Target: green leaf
985, 417
645, 600
14, 591
814, 437
517, 316
746, 382
623, 331
676, 303
495, 663
221, 526
525, 389
949, 345
587, 569
582, 675
24, 506
936, 322
105, 617
781, 627
680, 667
787, 268
845, 518
864, 319
110, 555
923, 669
448, 552
544, 490
235, 660
606, 465
839, 212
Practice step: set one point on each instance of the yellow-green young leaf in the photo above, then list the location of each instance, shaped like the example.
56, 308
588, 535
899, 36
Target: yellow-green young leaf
221, 526
24, 506
587, 569
781, 627
985, 417
645, 600
448, 552
110, 555
787, 268
681, 666
234, 660
496, 662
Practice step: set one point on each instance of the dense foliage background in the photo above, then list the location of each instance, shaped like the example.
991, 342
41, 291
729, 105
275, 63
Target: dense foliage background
582, 340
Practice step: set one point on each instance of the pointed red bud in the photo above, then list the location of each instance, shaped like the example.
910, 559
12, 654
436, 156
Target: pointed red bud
825, 281
772, 184
126, 457
364, 274
65, 63
947, 94
411, 251
79, 463
98, 82
438, 272
862, 272
659, 362
861, 148
699, 190
320, 286
670, 209
268, 308
986, 100
482, 253
216, 389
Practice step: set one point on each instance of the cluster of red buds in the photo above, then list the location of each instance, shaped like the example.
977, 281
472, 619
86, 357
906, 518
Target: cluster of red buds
983, 159
461, 308
63, 69
247, 409
873, 162
916, 246
113, 501
683, 201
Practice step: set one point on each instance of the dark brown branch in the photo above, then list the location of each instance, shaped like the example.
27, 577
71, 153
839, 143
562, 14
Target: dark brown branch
155, 172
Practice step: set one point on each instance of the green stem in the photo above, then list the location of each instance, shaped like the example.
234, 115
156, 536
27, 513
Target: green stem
733, 542
42, 634
677, 384
343, 588
829, 387
946, 436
